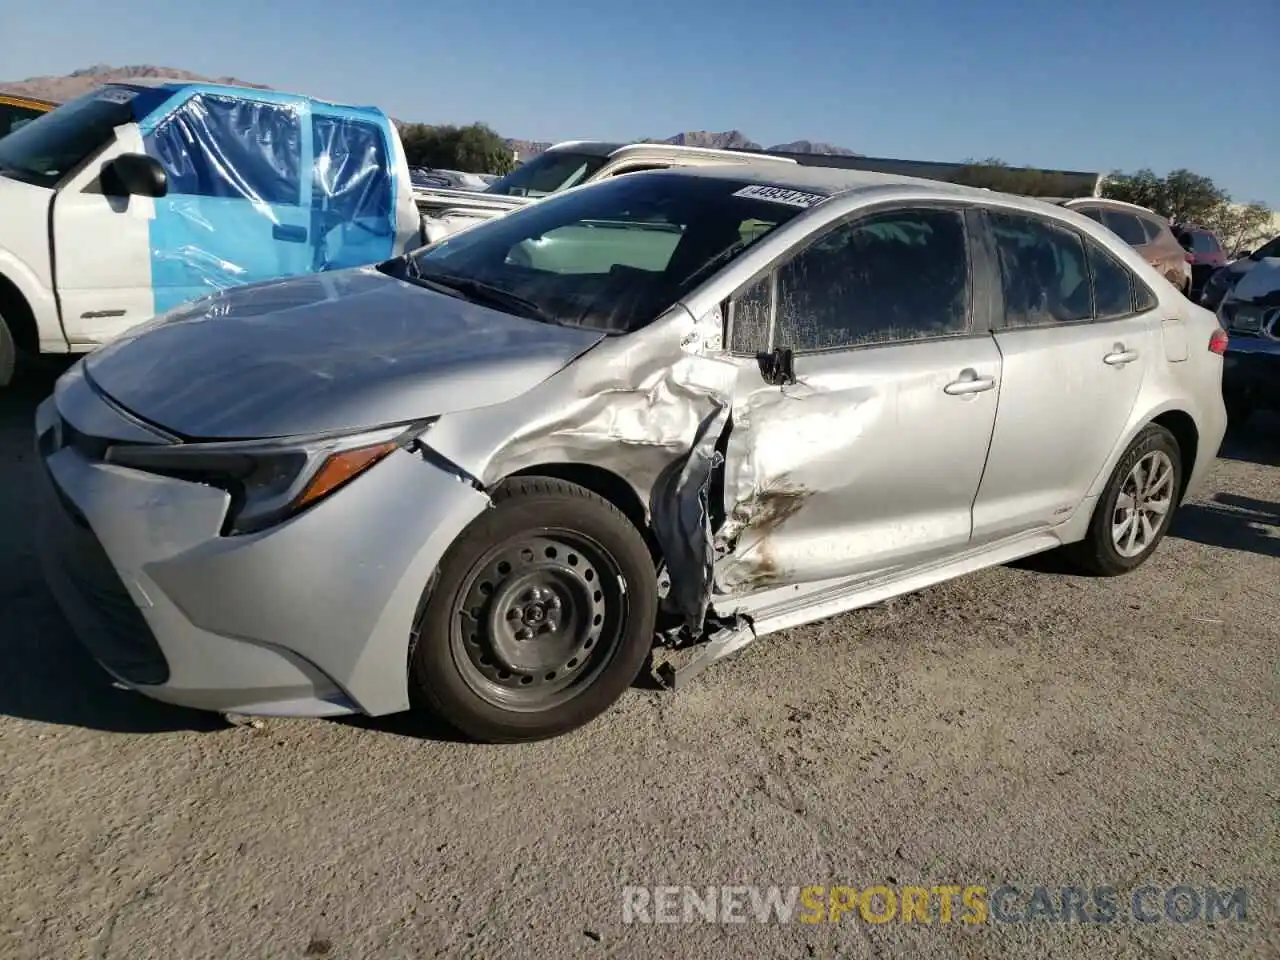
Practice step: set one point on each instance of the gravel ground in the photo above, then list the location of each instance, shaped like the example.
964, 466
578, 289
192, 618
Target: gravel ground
1017, 726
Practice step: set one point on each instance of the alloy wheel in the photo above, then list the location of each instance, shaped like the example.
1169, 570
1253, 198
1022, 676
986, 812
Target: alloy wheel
1143, 504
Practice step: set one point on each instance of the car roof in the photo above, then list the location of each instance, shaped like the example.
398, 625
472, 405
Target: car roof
606, 148
591, 148
835, 181
1110, 204
230, 89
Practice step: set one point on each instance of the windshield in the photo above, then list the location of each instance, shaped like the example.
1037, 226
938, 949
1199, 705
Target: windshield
611, 257
46, 149
547, 173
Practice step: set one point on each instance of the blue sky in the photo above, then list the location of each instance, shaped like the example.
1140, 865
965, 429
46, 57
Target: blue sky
1086, 84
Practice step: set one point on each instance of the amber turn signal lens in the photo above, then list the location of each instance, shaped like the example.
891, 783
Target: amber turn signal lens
340, 468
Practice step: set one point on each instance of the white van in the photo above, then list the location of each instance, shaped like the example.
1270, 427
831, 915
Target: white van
139, 196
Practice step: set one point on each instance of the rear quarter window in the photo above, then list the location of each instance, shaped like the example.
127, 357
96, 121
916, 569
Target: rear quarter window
1153, 230
1126, 226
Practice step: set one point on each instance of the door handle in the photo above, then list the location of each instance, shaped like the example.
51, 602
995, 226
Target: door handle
969, 382
289, 233
1119, 356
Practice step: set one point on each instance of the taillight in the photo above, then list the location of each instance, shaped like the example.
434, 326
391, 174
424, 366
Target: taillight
1218, 342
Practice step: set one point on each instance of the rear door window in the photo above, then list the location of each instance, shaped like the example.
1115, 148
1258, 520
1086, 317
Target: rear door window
1126, 226
1204, 242
1043, 272
352, 180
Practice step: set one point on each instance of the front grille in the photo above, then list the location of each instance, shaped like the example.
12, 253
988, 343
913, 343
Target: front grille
93, 597
1247, 319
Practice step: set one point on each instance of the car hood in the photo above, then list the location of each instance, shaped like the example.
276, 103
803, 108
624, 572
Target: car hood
329, 352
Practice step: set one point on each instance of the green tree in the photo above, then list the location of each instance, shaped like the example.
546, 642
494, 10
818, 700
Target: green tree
1186, 197
1180, 197
994, 174
1241, 226
476, 148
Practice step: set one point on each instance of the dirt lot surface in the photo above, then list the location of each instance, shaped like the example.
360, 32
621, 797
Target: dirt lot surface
1020, 726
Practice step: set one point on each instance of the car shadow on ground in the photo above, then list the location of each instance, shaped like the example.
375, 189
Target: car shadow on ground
1257, 440
47, 675
1237, 523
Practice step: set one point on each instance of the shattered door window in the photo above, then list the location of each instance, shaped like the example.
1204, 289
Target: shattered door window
892, 277
749, 319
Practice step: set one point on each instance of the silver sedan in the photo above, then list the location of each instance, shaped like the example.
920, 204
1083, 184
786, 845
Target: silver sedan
681, 408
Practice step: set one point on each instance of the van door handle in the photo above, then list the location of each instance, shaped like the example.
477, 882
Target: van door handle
969, 382
289, 233
1119, 356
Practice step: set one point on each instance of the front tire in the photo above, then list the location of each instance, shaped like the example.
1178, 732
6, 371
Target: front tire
541, 616
1136, 507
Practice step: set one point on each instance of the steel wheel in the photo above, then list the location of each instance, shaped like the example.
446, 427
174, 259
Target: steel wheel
1143, 504
539, 618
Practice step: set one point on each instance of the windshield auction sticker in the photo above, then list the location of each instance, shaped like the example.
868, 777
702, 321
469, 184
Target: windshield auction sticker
795, 198
116, 95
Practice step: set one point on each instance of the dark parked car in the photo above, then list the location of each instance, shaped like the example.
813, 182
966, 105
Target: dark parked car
1205, 251
1250, 313
1222, 281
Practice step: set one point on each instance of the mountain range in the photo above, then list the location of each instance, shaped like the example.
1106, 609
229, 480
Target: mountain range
61, 88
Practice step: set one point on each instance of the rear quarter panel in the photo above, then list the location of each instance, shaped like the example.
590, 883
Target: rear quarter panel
1173, 386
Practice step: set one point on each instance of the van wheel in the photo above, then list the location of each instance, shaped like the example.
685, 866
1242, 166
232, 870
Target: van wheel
1135, 509
541, 615
8, 354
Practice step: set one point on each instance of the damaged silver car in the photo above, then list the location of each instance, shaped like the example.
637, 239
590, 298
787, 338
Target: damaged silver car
682, 408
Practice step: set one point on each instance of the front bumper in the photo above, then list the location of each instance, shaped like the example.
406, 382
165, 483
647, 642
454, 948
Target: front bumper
309, 618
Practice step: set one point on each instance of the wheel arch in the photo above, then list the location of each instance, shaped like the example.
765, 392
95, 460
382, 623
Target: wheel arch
603, 482
18, 316
1187, 434
1173, 418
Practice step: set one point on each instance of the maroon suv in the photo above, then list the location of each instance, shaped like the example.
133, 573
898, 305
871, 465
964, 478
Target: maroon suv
1204, 251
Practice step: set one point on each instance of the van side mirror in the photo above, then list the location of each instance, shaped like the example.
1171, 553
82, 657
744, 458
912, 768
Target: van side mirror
135, 174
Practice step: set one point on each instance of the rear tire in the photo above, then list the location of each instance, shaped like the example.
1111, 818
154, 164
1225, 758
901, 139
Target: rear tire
1136, 507
8, 354
541, 616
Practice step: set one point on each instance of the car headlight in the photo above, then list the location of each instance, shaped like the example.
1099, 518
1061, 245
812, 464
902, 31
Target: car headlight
271, 480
